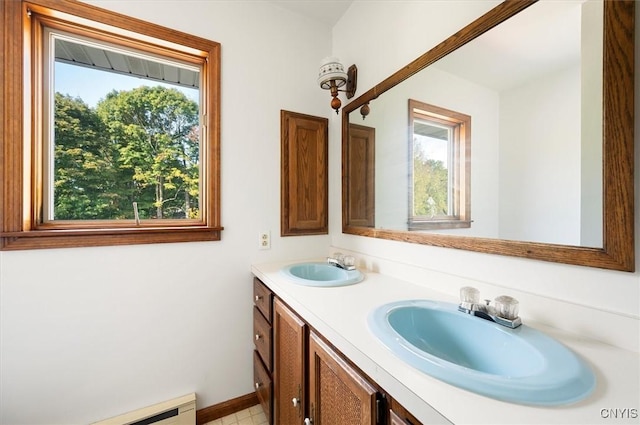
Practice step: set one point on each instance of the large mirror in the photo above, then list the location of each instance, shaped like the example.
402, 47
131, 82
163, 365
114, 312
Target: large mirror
514, 137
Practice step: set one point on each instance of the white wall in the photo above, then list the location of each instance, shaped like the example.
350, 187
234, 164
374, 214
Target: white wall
94, 332
397, 33
540, 160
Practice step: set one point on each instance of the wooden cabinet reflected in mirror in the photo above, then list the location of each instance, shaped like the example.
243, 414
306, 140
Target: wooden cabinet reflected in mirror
599, 222
360, 151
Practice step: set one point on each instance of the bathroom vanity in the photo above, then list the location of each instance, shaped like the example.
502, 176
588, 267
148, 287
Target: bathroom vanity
322, 349
306, 368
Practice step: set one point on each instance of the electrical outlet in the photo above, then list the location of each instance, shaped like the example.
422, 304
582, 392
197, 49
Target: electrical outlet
264, 240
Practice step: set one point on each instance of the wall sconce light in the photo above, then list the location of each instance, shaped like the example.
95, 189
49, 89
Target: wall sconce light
332, 77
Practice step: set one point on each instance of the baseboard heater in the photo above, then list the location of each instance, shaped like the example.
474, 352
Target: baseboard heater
179, 411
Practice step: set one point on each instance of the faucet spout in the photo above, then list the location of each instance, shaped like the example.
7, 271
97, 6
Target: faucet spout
504, 313
510, 323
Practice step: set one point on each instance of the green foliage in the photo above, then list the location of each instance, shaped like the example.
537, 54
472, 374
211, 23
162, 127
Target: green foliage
140, 145
86, 185
430, 187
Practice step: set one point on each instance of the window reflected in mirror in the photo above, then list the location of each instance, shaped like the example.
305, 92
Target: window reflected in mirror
440, 195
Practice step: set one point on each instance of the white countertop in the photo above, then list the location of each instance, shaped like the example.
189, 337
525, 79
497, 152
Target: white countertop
340, 315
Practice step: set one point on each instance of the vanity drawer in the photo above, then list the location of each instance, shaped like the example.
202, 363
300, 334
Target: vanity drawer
263, 385
263, 299
262, 337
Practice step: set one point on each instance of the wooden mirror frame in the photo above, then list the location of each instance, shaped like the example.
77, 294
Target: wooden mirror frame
618, 251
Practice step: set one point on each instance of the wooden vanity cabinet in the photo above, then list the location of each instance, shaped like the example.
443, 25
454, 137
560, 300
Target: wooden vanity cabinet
337, 393
262, 339
312, 382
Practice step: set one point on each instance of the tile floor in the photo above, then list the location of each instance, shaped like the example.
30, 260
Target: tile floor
251, 416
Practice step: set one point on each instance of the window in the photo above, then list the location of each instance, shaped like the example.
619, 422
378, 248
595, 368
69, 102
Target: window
439, 196
112, 132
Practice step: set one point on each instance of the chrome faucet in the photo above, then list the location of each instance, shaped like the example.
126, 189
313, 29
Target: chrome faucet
504, 312
345, 262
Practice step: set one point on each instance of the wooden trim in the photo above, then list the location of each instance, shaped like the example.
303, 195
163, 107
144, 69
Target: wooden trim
118, 20
208, 414
20, 153
11, 92
618, 123
618, 251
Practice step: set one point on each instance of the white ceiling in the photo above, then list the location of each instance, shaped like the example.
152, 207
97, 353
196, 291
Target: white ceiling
326, 11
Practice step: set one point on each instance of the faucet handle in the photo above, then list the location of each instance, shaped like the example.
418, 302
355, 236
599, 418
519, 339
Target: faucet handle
469, 295
506, 307
349, 261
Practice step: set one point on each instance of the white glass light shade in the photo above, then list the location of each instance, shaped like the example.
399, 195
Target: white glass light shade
331, 69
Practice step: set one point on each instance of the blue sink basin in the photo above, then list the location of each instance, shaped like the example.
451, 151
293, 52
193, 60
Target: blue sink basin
519, 365
321, 274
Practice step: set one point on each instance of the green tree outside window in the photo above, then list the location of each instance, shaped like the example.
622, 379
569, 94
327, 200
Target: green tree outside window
140, 145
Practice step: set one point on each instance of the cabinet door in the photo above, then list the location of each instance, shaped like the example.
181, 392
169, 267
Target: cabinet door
288, 371
337, 393
304, 174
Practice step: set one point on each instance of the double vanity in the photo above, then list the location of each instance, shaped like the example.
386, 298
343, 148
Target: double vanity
413, 357
337, 345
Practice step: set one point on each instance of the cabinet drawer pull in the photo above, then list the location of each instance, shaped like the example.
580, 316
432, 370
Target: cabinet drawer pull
307, 421
258, 337
257, 384
258, 298
295, 402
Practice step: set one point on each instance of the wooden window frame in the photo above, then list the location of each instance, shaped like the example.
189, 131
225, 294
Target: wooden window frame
461, 190
21, 226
